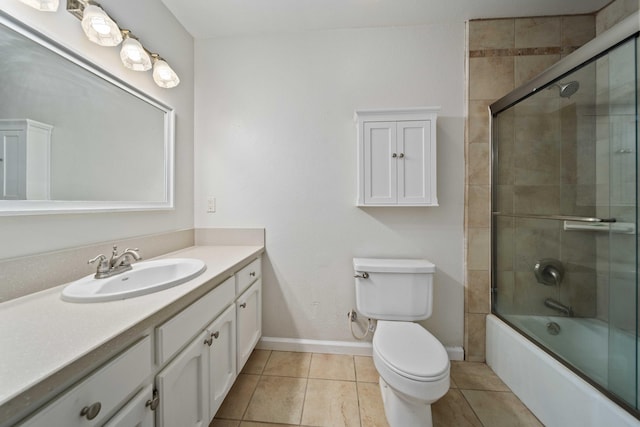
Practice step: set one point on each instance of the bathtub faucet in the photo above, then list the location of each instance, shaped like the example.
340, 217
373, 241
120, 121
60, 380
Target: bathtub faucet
558, 306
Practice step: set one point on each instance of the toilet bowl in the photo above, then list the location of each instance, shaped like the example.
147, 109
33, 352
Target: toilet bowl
413, 365
414, 372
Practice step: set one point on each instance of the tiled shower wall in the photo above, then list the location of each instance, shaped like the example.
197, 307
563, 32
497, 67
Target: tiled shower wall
503, 54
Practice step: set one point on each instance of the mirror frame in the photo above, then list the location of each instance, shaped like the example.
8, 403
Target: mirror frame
40, 207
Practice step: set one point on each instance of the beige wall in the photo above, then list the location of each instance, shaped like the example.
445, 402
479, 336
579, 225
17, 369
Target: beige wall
503, 54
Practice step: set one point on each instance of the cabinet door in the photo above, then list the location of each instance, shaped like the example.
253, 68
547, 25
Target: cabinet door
183, 387
222, 358
249, 327
136, 413
414, 148
13, 165
380, 165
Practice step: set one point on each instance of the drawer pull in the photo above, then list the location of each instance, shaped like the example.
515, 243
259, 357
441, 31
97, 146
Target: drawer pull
154, 402
243, 305
92, 411
209, 340
252, 274
216, 334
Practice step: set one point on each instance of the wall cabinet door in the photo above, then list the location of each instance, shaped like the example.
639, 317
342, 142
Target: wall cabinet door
249, 321
414, 149
183, 387
380, 167
222, 358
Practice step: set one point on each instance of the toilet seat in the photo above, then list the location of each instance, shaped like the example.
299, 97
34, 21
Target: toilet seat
409, 350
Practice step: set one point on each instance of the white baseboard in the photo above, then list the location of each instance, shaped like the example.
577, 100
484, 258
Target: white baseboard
455, 353
315, 346
332, 347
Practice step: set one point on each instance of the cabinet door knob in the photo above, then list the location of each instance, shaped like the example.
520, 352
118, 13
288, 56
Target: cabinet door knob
401, 155
216, 334
91, 411
394, 155
252, 274
209, 340
153, 402
243, 305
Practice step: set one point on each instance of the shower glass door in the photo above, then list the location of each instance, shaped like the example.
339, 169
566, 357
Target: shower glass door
564, 190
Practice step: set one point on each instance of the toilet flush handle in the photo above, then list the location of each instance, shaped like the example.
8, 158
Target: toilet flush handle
364, 275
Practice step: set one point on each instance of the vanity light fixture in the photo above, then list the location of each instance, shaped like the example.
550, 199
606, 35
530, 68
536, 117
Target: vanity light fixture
43, 5
133, 54
101, 29
163, 74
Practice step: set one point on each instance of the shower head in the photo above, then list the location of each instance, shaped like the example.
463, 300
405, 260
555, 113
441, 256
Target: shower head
567, 89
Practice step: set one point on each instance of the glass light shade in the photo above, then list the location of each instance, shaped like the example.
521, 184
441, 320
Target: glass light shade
133, 55
99, 27
163, 75
43, 5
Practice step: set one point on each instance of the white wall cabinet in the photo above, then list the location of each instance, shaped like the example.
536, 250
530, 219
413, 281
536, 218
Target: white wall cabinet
25, 160
397, 157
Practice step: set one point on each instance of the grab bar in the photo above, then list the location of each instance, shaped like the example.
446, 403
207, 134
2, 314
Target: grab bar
556, 217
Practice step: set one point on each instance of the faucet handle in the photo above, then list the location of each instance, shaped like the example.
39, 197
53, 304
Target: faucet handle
99, 258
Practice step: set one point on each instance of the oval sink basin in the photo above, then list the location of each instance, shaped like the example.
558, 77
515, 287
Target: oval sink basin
144, 278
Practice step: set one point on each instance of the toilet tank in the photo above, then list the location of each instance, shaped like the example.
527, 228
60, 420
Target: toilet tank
394, 289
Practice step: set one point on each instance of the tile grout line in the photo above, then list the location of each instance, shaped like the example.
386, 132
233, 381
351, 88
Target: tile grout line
471, 406
244, 413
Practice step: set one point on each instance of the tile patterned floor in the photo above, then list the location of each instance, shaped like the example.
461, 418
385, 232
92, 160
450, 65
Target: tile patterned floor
279, 388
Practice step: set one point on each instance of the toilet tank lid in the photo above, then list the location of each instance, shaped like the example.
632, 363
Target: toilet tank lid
387, 265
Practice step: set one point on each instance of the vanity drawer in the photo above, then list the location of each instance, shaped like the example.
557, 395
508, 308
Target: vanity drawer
109, 387
174, 334
248, 275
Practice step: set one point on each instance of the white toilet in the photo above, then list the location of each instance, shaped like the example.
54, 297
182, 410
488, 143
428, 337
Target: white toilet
413, 365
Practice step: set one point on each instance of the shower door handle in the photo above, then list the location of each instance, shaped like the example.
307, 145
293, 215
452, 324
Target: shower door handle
556, 217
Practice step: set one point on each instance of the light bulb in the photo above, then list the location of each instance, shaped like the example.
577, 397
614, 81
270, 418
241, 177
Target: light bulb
43, 5
99, 27
163, 75
133, 55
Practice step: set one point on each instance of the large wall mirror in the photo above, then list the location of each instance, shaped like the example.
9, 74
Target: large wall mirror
73, 138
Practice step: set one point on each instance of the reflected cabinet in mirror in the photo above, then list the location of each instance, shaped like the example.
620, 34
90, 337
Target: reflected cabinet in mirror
73, 138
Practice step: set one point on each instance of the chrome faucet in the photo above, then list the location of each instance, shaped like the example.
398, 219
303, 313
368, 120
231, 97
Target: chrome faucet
558, 306
117, 264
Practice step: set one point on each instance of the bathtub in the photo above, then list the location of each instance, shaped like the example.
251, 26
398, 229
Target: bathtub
556, 395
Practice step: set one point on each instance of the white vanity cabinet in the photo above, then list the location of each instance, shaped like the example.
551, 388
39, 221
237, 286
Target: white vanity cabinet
227, 323
397, 157
249, 309
222, 358
185, 384
137, 412
183, 387
101, 394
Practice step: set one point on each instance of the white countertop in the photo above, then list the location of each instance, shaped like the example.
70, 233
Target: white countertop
40, 334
